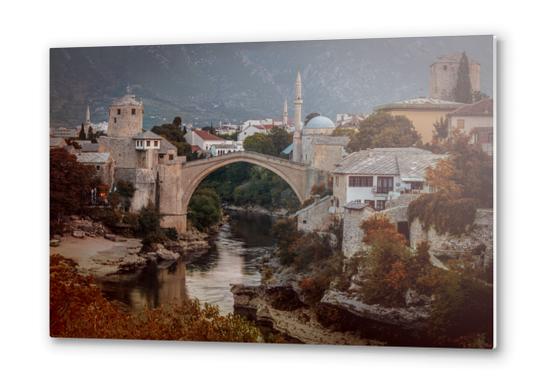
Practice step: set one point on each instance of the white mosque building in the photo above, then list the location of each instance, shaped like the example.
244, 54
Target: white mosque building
313, 143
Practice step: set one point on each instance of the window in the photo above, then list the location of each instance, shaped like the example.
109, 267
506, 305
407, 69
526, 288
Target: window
416, 185
384, 185
118, 112
97, 167
380, 205
148, 143
161, 155
133, 112
115, 120
360, 181
445, 67
460, 123
156, 143
171, 157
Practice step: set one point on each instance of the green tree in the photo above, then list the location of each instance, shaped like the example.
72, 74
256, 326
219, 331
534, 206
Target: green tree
280, 139
384, 130
90, 134
463, 87
310, 116
440, 130
82, 134
177, 122
259, 142
204, 209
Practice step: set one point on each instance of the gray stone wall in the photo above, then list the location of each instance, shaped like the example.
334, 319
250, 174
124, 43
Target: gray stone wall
352, 232
477, 241
121, 149
315, 217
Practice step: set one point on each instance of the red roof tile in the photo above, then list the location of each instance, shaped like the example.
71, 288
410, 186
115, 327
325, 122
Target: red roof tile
207, 136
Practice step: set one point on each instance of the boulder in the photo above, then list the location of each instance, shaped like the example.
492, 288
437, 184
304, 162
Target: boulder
111, 237
166, 255
78, 234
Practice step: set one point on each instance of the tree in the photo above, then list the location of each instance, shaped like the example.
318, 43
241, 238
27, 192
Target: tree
310, 116
70, 186
90, 135
177, 122
440, 130
384, 130
259, 142
280, 139
82, 135
175, 134
463, 87
204, 209
468, 167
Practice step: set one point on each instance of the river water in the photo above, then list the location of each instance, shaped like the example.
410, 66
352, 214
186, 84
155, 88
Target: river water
233, 258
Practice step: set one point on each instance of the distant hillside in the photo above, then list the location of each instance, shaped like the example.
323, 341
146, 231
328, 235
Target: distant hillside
232, 82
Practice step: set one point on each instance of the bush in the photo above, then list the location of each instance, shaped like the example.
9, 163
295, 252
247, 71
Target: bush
445, 214
171, 233
462, 311
204, 209
79, 310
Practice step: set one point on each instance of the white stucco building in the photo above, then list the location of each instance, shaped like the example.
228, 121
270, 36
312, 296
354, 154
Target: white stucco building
375, 176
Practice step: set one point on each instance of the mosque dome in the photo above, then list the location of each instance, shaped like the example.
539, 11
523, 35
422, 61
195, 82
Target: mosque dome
320, 122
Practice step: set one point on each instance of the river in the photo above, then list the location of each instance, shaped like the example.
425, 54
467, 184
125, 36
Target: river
233, 258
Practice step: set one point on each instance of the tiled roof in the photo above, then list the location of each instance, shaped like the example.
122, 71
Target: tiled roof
165, 146
408, 163
356, 205
91, 158
206, 136
147, 135
331, 140
56, 142
453, 58
421, 103
480, 108
127, 100
288, 149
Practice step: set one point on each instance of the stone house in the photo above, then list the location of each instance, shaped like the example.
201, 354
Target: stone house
477, 120
102, 162
375, 176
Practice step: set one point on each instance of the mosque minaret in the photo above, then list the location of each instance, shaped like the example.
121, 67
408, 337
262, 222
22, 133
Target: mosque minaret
298, 104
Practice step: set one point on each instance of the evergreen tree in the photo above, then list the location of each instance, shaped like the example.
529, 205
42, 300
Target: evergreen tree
82, 135
90, 134
463, 87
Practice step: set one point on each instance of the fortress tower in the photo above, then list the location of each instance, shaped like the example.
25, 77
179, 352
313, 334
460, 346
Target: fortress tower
125, 117
298, 105
444, 76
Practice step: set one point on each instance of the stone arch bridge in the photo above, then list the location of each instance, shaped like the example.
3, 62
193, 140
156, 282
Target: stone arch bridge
177, 184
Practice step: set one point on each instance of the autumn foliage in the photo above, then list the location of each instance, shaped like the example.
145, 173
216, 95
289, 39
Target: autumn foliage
79, 310
70, 185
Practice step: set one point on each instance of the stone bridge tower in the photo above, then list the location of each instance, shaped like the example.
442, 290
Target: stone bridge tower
125, 117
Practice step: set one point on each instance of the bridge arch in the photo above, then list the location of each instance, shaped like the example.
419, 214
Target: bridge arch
296, 175
228, 159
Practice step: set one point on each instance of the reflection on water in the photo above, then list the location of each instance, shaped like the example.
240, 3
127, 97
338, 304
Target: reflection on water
232, 259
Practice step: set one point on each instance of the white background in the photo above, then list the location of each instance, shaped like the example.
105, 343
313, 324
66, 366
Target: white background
28, 30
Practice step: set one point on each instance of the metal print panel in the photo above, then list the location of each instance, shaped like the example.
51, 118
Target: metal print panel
318, 192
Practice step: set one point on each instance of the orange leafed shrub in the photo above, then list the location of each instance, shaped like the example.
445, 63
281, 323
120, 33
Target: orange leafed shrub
79, 310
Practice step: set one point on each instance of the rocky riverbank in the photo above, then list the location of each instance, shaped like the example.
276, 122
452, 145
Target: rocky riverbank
99, 252
255, 209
